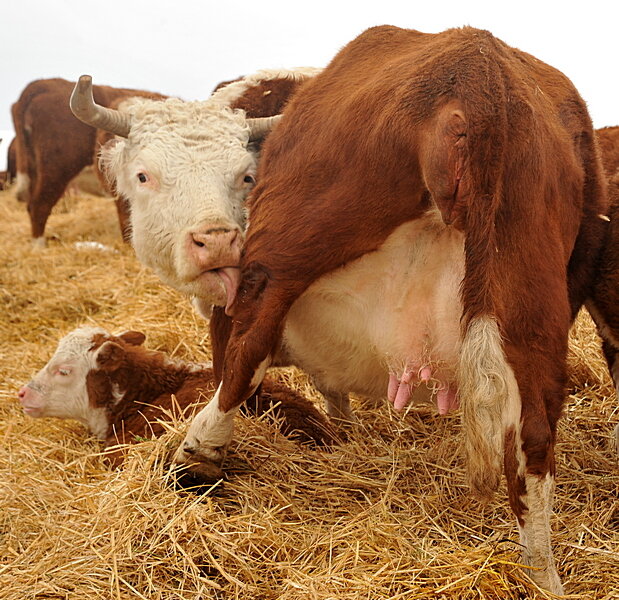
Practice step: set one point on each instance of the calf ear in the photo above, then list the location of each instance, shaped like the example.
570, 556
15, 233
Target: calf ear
133, 338
110, 356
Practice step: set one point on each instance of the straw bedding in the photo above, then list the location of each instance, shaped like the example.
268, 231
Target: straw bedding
384, 516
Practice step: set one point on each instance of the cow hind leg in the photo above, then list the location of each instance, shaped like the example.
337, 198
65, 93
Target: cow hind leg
494, 423
530, 496
44, 197
22, 187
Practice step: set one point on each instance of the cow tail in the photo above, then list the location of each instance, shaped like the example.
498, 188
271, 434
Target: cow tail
487, 386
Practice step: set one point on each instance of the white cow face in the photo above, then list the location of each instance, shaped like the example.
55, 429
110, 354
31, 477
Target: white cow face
59, 389
186, 169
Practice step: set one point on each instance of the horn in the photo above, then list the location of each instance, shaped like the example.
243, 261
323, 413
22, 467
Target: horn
84, 108
259, 128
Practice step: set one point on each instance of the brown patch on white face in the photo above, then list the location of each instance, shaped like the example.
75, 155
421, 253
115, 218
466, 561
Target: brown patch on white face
99, 388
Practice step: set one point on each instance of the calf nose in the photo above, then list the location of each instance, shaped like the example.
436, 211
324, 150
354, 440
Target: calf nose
21, 393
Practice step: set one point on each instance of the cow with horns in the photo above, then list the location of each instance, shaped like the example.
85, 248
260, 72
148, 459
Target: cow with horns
195, 192
425, 213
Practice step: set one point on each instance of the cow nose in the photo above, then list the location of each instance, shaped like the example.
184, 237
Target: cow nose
22, 392
215, 248
215, 237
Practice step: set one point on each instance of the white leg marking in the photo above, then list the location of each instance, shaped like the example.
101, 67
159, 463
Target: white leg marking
211, 430
535, 533
38, 243
259, 374
22, 182
209, 433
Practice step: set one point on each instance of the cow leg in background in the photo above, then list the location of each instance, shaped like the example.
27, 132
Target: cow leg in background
611, 353
22, 187
50, 183
43, 199
123, 209
337, 405
603, 304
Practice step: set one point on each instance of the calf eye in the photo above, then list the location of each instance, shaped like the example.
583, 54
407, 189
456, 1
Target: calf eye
64, 372
249, 179
142, 177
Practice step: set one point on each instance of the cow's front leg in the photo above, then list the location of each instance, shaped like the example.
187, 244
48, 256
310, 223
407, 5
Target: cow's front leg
208, 437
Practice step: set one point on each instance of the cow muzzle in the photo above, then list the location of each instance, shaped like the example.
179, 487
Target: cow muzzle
215, 254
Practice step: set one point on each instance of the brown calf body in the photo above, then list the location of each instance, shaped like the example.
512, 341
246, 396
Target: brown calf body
137, 390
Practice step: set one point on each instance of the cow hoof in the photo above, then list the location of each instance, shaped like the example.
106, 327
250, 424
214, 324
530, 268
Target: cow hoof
199, 477
195, 469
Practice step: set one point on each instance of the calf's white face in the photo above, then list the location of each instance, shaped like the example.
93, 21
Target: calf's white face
59, 389
186, 169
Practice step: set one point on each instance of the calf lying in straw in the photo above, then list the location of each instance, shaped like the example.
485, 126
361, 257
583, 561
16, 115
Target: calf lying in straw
123, 392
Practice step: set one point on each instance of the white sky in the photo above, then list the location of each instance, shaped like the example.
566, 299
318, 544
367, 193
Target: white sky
185, 47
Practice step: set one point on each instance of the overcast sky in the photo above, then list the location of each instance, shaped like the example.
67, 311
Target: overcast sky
185, 47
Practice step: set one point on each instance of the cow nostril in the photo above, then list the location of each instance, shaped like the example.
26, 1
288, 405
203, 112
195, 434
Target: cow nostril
189, 449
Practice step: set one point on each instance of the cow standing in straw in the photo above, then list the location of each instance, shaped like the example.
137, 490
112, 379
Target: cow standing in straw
460, 184
52, 146
426, 213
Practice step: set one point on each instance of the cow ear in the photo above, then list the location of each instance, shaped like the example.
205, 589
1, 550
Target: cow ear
110, 356
133, 338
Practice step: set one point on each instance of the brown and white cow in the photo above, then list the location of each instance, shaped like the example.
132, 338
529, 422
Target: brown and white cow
426, 215
427, 209
604, 301
7, 177
122, 392
174, 156
188, 222
52, 146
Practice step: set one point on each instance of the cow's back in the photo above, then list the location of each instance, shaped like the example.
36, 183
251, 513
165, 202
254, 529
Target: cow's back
360, 124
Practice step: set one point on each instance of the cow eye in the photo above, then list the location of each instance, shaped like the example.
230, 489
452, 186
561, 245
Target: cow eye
64, 372
143, 177
249, 179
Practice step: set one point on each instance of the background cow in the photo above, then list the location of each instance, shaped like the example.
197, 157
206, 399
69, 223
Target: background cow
8, 176
123, 392
422, 209
52, 146
604, 302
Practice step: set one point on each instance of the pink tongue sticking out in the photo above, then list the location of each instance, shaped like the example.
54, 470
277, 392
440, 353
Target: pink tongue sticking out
231, 277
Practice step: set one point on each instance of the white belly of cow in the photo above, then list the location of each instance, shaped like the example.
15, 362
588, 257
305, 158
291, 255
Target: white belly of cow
393, 311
